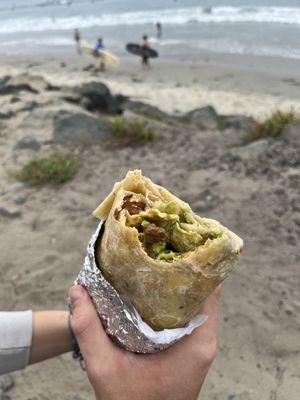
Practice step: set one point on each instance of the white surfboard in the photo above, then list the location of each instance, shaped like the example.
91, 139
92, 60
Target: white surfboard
105, 55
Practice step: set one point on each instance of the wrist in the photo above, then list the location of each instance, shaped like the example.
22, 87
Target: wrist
50, 335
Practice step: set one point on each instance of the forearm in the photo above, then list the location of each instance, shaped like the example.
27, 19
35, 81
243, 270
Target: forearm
50, 336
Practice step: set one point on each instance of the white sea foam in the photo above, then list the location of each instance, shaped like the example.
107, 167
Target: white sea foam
282, 15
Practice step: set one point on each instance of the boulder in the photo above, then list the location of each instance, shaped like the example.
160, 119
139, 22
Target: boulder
23, 82
205, 117
78, 127
27, 142
95, 96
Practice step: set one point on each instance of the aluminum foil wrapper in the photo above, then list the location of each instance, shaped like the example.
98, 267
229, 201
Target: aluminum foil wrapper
120, 319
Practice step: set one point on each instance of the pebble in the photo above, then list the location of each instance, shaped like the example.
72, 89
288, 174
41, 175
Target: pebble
7, 382
76, 397
232, 396
4, 397
20, 200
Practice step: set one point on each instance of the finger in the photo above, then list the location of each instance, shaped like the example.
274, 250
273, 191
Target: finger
93, 341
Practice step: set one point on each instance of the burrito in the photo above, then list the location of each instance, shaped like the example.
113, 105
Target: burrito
158, 254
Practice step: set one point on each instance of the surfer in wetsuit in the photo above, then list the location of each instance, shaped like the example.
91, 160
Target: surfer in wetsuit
158, 30
77, 38
143, 46
100, 46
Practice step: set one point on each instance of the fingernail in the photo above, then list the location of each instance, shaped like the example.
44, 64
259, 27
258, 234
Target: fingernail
76, 293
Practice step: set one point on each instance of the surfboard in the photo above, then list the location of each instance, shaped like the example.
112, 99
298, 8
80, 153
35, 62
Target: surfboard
105, 55
135, 49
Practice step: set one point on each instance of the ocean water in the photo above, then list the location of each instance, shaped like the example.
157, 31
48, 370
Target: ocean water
255, 27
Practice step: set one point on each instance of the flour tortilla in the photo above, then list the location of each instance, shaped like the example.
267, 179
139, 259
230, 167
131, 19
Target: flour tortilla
166, 294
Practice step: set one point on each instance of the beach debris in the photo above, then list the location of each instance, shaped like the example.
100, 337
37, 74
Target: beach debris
78, 127
7, 383
11, 214
27, 142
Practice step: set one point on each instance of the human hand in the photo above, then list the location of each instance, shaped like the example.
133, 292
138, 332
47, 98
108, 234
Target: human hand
115, 374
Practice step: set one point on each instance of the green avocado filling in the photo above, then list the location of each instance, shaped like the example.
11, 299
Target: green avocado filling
168, 231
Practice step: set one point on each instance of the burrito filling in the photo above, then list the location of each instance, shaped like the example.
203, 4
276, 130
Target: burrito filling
166, 230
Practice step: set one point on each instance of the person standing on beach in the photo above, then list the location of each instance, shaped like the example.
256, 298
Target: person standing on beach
77, 38
158, 30
144, 45
100, 46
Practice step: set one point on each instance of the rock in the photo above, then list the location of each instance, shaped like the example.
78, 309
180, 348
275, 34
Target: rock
207, 201
4, 397
7, 383
27, 142
89, 67
145, 110
95, 96
231, 396
252, 150
78, 127
76, 397
239, 122
5, 114
23, 82
20, 200
205, 117
11, 214
15, 99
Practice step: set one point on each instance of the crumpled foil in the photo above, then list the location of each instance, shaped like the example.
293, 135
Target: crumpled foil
120, 319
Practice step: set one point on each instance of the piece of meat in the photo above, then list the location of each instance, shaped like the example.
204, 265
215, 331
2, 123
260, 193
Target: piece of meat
154, 234
133, 207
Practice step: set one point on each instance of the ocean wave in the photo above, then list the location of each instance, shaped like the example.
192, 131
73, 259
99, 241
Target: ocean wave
282, 15
234, 47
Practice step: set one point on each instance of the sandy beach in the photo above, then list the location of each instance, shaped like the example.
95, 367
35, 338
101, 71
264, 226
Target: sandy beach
233, 84
253, 189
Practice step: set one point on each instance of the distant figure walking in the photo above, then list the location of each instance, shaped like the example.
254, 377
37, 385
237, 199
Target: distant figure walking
100, 46
158, 30
144, 45
77, 38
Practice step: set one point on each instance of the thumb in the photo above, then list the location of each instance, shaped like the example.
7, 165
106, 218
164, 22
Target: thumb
93, 342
